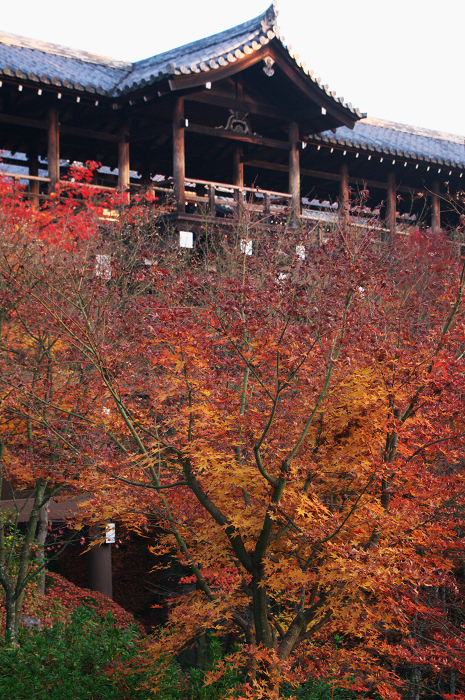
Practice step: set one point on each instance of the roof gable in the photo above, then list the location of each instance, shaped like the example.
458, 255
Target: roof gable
212, 57
206, 54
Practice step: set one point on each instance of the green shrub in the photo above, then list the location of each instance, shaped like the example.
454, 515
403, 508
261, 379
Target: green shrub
317, 689
84, 659
196, 690
70, 661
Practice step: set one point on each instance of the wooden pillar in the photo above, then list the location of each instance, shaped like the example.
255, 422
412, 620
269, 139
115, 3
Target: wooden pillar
123, 158
294, 171
211, 200
238, 166
99, 574
33, 164
391, 205
435, 208
344, 200
53, 153
179, 164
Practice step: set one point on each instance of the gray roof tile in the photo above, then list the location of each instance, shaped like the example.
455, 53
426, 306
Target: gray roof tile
49, 63
400, 140
198, 54
52, 64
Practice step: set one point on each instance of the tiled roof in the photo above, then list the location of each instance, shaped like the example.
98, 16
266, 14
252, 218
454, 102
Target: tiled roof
28, 59
399, 140
206, 54
216, 51
61, 66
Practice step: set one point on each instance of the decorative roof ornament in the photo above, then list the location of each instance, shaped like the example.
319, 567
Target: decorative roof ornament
238, 123
270, 18
268, 67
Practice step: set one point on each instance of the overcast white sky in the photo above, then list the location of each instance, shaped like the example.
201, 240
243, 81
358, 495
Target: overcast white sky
402, 60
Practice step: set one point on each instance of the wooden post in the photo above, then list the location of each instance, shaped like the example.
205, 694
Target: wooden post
238, 166
267, 204
179, 164
344, 200
99, 573
123, 158
212, 200
435, 208
294, 172
53, 153
33, 163
391, 205
239, 197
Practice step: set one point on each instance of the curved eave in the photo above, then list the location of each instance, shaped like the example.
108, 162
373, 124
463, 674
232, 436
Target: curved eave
184, 77
45, 81
368, 148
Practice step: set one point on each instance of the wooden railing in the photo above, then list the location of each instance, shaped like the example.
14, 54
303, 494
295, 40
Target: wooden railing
215, 199
222, 198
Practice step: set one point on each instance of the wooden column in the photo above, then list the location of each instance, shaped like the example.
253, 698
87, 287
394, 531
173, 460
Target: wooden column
391, 205
294, 171
435, 208
179, 164
238, 166
344, 200
99, 572
123, 158
33, 164
53, 153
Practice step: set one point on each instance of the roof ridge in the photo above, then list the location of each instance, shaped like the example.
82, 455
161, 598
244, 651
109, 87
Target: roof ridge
415, 130
261, 30
268, 22
64, 51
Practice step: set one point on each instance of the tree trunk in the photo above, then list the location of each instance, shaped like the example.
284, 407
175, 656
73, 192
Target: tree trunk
263, 631
11, 626
26, 550
41, 537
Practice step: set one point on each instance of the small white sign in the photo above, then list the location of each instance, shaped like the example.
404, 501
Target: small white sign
103, 266
186, 239
246, 246
110, 533
300, 251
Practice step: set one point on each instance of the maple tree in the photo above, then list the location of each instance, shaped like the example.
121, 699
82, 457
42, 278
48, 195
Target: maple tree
37, 388
48, 400
293, 422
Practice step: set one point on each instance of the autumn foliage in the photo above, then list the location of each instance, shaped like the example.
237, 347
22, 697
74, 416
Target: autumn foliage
291, 421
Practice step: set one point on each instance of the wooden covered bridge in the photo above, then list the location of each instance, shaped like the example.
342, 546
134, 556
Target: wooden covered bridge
229, 118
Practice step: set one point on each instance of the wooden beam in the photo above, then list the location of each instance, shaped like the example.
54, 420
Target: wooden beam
344, 202
53, 152
283, 63
184, 82
319, 174
68, 130
123, 158
435, 208
23, 121
244, 138
239, 105
89, 134
294, 171
179, 163
312, 91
